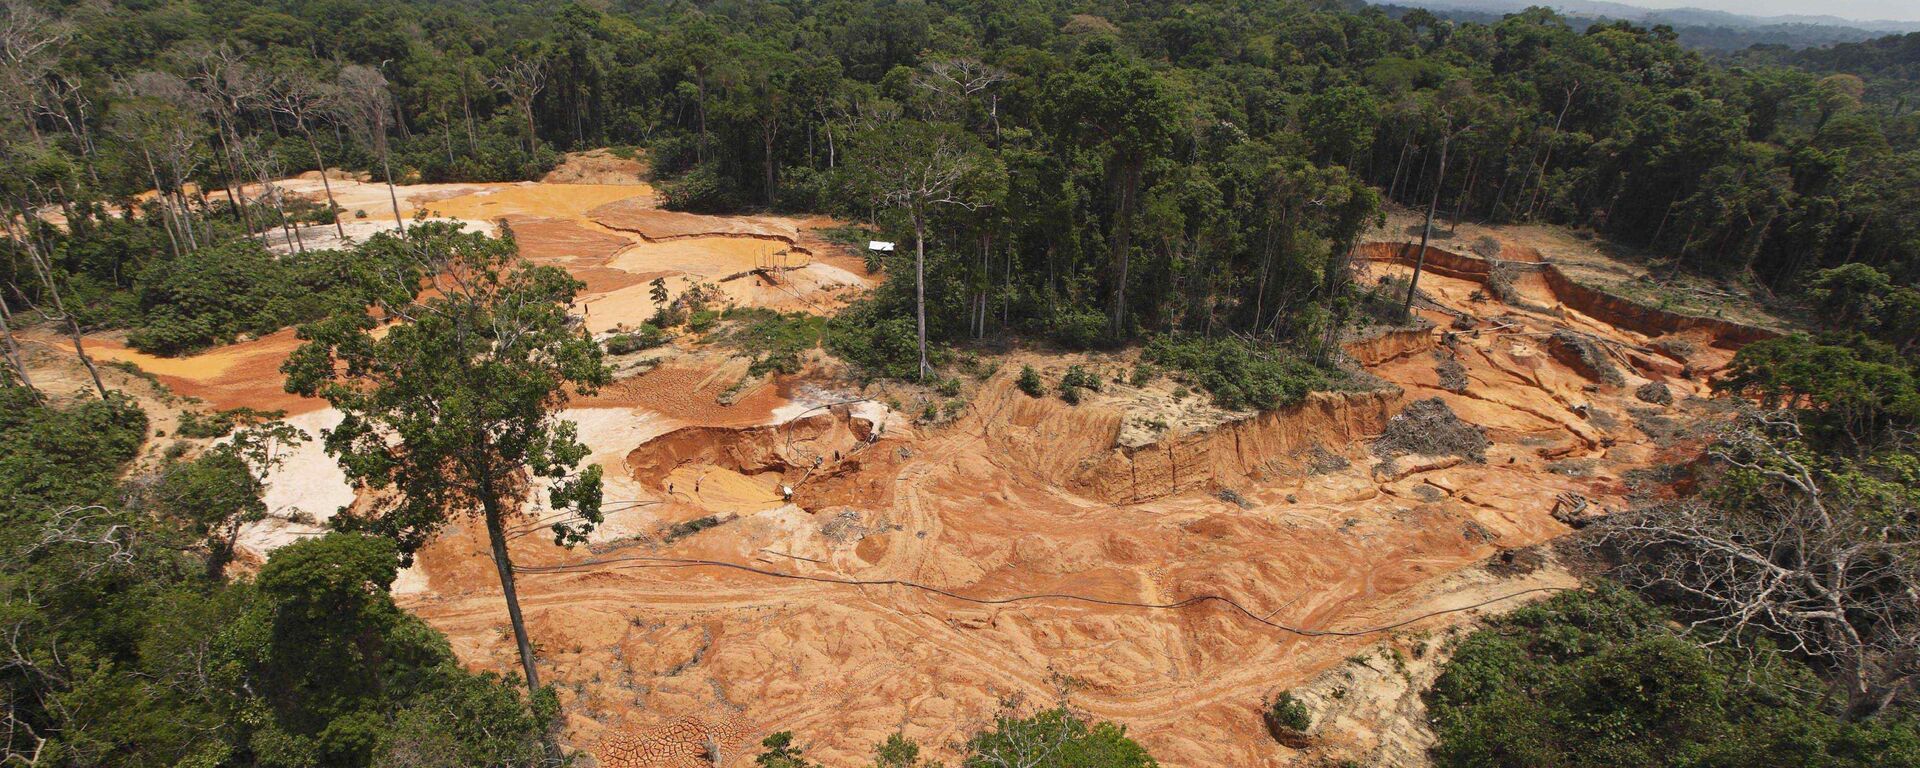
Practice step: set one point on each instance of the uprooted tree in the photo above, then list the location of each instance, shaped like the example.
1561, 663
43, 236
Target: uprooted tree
451, 412
1822, 559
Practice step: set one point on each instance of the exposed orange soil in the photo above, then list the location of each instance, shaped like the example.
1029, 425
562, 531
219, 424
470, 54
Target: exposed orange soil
1024, 496
1018, 496
552, 225
244, 374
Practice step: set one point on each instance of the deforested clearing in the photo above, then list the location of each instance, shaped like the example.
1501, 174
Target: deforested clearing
392, 383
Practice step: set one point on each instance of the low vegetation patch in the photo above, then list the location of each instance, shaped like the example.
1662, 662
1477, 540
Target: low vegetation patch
776, 340
1051, 738
1287, 719
646, 337
1240, 376
1076, 381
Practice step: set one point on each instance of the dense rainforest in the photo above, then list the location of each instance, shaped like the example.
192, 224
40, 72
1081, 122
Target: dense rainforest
1192, 175
1191, 166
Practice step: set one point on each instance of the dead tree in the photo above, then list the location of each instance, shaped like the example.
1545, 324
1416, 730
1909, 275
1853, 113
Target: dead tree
163, 124
265, 168
227, 86
521, 80
29, 47
11, 350
366, 105
959, 82
303, 99
1829, 572
43, 268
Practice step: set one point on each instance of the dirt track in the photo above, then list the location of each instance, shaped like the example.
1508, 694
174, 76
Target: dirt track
1017, 497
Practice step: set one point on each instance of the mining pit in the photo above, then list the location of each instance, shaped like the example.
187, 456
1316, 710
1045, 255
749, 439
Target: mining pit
808, 559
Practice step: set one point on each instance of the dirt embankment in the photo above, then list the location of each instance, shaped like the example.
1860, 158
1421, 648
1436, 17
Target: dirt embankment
1614, 310
1077, 448
641, 218
1392, 344
790, 450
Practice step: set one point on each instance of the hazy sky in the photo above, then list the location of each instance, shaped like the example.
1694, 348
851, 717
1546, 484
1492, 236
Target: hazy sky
1899, 10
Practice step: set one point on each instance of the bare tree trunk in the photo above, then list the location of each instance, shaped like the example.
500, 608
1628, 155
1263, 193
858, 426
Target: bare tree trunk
1397, 165
1439, 181
466, 106
392, 195
42, 266
503, 564
1546, 159
166, 204
325, 184
1122, 247
920, 285
768, 134
12, 350
1473, 175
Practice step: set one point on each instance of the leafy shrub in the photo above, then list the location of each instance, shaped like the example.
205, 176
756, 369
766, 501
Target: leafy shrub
221, 423
1285, 711
1080, 377
1029, 382
1076, 380
701, 190
883, 348
1598, 678
1079, 328
1076, 742
702, 321
776, 340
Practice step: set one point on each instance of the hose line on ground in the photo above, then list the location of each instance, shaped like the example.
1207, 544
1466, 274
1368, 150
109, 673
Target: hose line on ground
648, 561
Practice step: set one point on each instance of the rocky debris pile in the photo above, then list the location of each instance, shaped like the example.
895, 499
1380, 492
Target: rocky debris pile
1430, 428
1453, 375
1654, 392
1585, 355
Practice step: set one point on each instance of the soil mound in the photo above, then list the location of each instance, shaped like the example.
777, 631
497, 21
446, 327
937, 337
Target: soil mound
597, 166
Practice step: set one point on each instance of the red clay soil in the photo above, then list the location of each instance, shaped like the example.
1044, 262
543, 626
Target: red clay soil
1288, 514
565, 243
1024, 495
246, 374
687, 393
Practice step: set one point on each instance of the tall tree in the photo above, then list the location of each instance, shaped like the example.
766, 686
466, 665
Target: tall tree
1126, 109
521, 80
452, 411
914, 168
